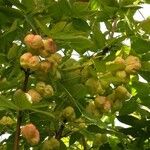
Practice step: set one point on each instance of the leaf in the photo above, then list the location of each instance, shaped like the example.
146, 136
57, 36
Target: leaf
62, 145
143, 89
140, 45
145, 25
133, 121
12, 12
129, 106
75, 137
5, 103
114, 67
30, 4
95, 129
11, 29
42, 112
80, 9
146, 66
145, 75
98, 37
21, 100
43, 27
99, 65
146, 57
80, 25
132, 131
78, 42
78, 91
6, 85
103, 16
3, 58
58, 27
13, 52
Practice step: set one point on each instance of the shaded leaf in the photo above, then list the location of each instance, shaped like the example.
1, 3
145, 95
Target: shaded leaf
140, 45
21, 100
5, 103
145, 25
75, 137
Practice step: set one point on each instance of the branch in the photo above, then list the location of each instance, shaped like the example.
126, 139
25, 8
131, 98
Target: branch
19, 116
114, 25
60, 130
84, 143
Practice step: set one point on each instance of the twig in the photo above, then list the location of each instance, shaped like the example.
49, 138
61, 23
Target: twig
114, 24
19, 115
60, 130
141, 14
84, 143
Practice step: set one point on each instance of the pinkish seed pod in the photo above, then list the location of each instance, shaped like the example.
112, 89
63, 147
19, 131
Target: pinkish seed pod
45, 66
35, 96
49, 45
132, 64
48, 91
33, 41
31, 134
107, 106
99, 101
34, 62
24, 60
28, 39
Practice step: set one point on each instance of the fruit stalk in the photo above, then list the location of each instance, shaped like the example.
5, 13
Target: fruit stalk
60, 131
19, 116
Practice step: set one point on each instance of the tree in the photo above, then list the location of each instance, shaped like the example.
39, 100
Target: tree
49, 100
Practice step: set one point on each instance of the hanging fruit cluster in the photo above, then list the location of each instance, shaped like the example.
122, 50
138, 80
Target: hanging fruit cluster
42, 59
98, 86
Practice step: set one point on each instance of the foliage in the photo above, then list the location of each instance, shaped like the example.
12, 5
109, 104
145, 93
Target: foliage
70, 103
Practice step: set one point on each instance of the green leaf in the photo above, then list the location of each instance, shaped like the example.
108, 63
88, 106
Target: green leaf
5, 103
12, 12
103, 16
42, 112
75, 137
3, 58
145, 75
114, 67
80, 9
13, 52
99, 65
30, 4
140, 45
78, 91
129, 106
111, 3
95, 129
130, 120
58, 27
133, 132
6, 85
43, 27
80, 25
143, 89
12, 28
21, 100
77, 42
146, 57
62, 145
98, 37
146, 66
145, 25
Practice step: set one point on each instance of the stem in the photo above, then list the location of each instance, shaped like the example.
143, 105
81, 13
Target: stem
17, 138
60, 131
19, 116
84, 143
114, 24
